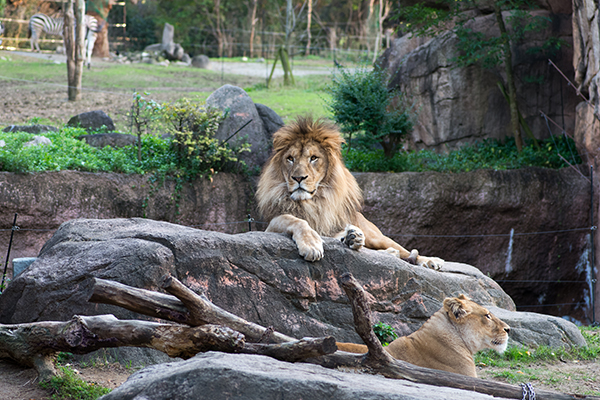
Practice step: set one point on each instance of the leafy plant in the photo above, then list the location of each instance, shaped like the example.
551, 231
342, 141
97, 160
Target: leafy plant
68, 386
193, 127
385, 333
362, 104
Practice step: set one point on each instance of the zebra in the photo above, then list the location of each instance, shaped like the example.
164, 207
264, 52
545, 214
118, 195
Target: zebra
39, 23
1, 31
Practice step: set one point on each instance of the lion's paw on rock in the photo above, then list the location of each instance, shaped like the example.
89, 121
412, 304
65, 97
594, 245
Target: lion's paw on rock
311, 247
435, 263
354, 237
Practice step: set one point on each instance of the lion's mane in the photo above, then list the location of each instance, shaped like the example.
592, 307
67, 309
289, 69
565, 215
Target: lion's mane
338, 198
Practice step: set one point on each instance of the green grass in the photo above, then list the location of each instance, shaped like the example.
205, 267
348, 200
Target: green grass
68, 386
518, 357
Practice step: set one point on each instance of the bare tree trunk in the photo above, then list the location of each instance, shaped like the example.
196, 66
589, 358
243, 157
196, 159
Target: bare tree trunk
512, 91
74, 35
289, 23
253, 26
308, 25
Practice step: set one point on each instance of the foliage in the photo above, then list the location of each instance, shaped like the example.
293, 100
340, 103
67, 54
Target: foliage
193, 127
69, 386
385, 333
489, 154
362, 104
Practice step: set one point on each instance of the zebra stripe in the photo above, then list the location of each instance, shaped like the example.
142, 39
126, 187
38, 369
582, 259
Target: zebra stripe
39, 23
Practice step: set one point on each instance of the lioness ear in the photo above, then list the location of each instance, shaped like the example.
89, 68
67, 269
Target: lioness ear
455, 307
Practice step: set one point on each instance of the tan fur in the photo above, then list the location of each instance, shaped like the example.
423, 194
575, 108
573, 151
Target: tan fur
449, 339
306, 191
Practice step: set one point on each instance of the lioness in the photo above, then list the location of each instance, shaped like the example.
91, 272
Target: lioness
306, 191
448, 340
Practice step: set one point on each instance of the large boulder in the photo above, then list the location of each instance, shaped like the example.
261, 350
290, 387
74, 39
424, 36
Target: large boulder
241, 110
92, 121
256, 275
271, 120
201, 61
248, 377
458, 105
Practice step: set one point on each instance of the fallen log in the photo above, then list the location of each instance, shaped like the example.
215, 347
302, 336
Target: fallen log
35, 344
182, 306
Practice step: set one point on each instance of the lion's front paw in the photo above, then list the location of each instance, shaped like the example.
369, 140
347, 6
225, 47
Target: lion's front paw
354, 237
310, 246
430, 262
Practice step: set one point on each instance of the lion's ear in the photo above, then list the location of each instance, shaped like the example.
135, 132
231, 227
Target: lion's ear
456, 307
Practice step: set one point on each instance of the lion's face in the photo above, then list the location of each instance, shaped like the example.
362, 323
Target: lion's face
479, 328
306, 178
304, 167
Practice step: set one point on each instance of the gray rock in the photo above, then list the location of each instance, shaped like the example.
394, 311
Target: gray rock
101, 140
38, 141
271, 120
92, 121
249, 377
201, 61
34, 129
241, 110
167, 36
186, 58
256, 275
532, 329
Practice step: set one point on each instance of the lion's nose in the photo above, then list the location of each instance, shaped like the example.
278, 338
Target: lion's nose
507, 329
299, 178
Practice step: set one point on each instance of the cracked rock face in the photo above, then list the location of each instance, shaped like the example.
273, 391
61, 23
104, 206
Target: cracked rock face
258, 276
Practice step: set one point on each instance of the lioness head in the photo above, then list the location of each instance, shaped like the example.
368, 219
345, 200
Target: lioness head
306, 177
479, 328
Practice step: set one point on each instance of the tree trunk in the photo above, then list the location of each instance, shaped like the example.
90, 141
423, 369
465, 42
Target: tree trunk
289, 23
510, 78
308, 25
74, 38
253, 26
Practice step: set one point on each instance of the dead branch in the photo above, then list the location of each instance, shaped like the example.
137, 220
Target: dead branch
184, 307
203, 309
381, 362
35, 344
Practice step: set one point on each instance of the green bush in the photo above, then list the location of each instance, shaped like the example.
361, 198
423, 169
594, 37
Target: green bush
489, 154
193, 127
361, 104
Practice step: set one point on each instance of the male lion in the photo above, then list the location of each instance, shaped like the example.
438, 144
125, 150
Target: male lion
448, 340
306, 191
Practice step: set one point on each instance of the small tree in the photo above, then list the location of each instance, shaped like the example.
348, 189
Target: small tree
487, 51
144, 113
362, 104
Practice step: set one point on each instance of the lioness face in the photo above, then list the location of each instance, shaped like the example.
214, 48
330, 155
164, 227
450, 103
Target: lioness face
304, 166
480, 328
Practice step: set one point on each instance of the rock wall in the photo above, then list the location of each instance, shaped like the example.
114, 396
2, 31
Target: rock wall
482, 218
463, 105
586, 62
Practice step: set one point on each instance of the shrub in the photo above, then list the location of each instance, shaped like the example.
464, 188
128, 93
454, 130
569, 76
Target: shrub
362, 104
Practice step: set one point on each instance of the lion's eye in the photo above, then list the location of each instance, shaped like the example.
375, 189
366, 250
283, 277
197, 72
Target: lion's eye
488, 316
313, 158
290, 159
